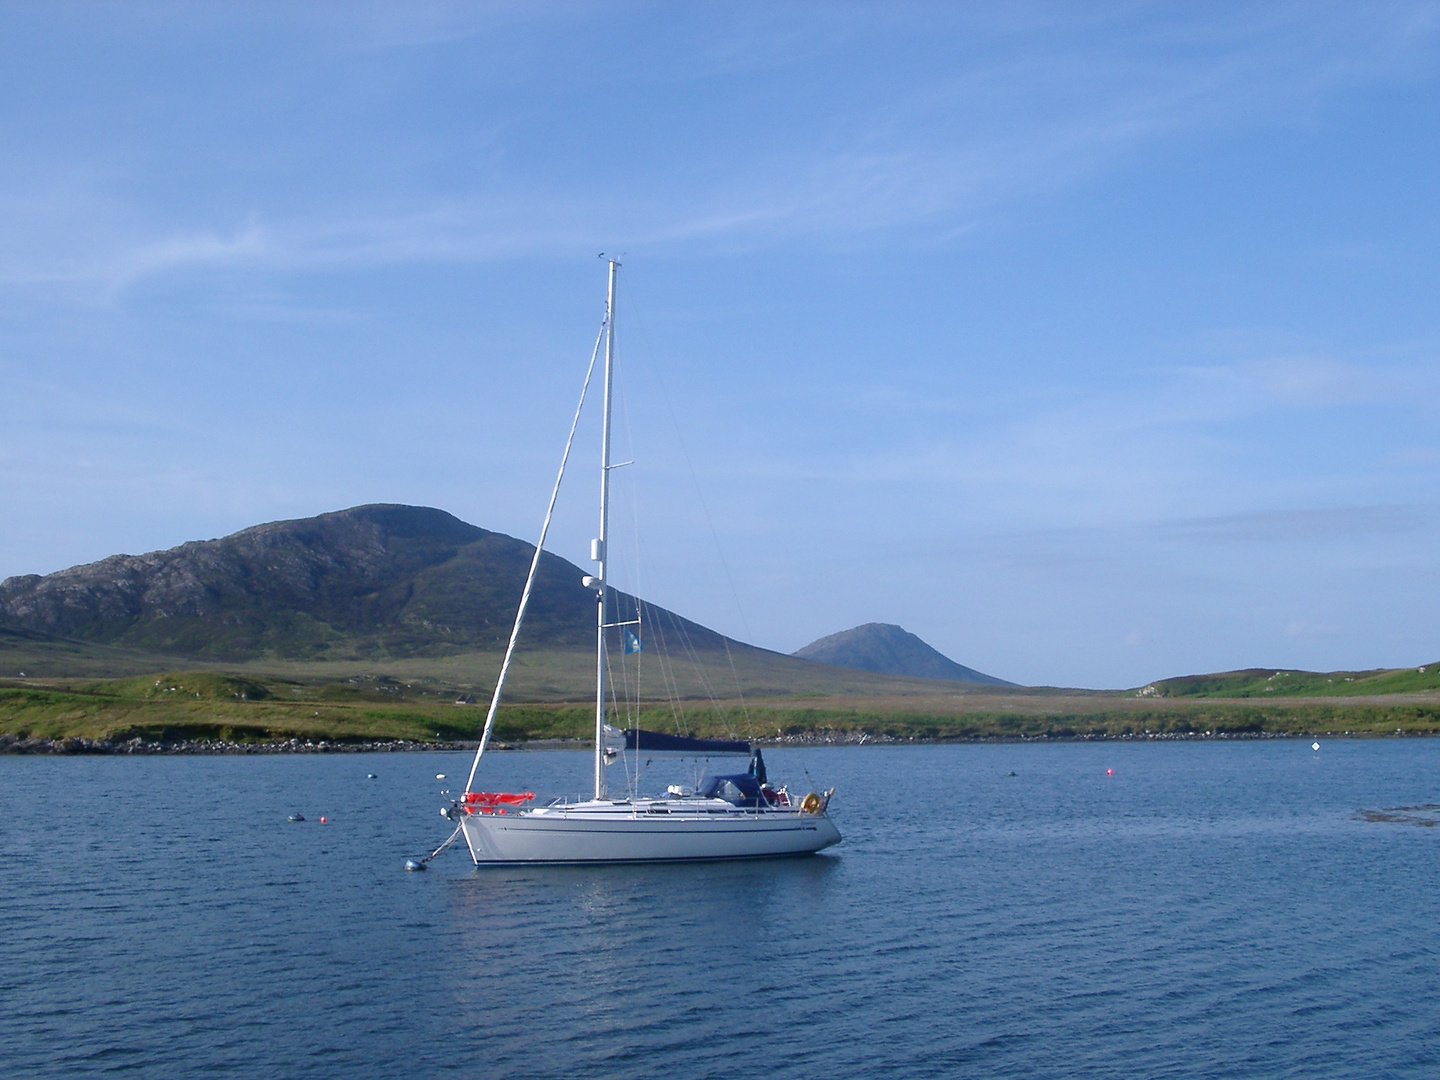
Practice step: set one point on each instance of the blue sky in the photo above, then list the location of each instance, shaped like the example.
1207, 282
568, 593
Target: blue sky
1093, 343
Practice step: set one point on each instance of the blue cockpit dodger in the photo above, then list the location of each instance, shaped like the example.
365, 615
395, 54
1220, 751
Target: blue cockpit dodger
740, 789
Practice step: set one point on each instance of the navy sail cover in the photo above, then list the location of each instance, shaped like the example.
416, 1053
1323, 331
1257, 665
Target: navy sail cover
659, 743
741, 790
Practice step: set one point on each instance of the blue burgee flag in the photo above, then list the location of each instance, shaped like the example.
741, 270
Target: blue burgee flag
632, 642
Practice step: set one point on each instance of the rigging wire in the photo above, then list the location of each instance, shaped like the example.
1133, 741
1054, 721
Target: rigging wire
709, 520
534, 563
668, 680
640, 557
693, 654
637, 586
630, 691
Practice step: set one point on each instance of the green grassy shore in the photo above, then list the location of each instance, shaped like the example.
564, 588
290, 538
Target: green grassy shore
245, 708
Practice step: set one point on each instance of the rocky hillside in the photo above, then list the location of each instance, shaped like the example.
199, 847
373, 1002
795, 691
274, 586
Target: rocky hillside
891, 650
369, 581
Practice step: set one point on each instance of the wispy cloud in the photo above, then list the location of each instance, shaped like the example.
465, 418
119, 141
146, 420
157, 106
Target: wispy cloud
245, 244
1032, 101
1166, 435
455, 231
1287, 526
1321, 381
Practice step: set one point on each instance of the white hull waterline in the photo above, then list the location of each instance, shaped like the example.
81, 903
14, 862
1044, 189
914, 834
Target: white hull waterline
644, 830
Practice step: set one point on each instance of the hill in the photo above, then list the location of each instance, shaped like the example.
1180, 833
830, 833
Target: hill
371, 581
891, 650
409, 593
376, 622
1264, 682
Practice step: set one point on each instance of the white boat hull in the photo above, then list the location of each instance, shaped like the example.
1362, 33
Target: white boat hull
618, 833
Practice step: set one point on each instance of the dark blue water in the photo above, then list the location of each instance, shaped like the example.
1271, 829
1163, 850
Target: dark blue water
1211, 910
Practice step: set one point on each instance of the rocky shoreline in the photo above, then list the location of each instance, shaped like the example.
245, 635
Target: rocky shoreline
11, 744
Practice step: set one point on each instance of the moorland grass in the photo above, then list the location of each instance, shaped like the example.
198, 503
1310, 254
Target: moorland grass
209, 705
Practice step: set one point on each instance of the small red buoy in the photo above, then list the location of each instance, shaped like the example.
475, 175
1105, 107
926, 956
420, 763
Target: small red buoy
322, 819
1108, 772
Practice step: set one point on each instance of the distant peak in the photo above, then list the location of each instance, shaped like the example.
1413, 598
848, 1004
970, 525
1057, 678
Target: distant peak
890, 650
395, 517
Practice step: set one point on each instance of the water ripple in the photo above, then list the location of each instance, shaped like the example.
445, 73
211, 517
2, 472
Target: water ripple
1207, 911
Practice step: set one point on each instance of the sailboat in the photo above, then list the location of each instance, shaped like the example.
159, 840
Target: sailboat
736, 815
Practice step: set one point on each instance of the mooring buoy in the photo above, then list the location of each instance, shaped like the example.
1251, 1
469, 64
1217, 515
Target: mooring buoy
414, 864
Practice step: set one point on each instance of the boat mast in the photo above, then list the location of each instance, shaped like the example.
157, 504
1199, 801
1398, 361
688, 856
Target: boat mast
597, 550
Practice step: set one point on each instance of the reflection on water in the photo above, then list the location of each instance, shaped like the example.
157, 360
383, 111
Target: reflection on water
1081, 910
631, 957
